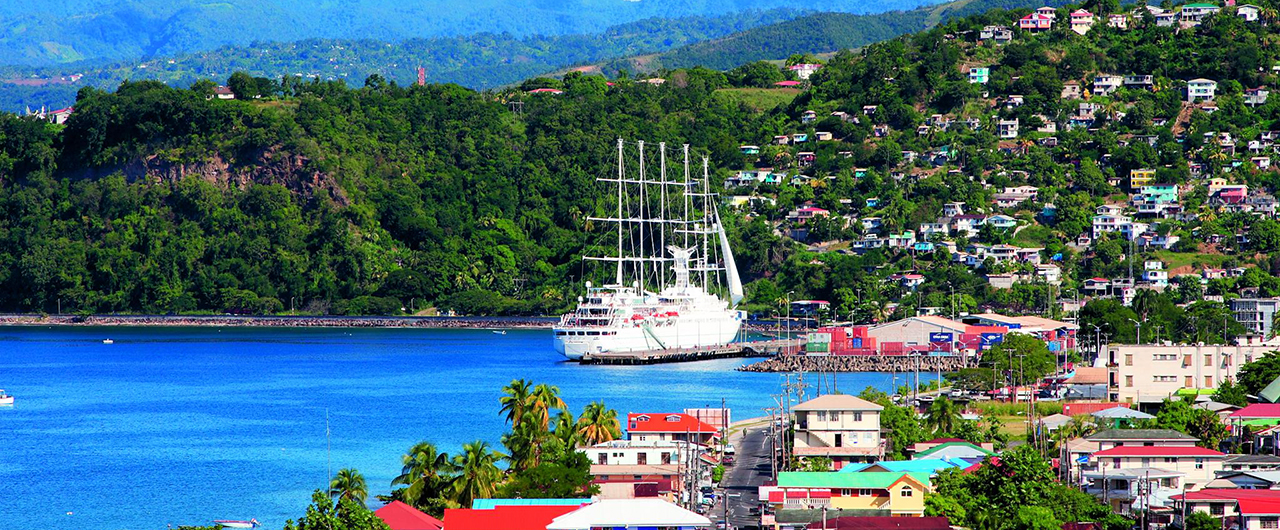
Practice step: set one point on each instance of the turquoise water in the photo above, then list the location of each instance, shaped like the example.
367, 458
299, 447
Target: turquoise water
186, 425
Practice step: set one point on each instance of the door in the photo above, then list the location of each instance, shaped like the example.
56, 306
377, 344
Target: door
642, 458
839, 440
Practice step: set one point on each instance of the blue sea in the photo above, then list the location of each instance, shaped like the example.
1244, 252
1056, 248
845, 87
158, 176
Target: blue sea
171, 426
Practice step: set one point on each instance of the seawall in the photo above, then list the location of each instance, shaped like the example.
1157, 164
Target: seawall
855, 363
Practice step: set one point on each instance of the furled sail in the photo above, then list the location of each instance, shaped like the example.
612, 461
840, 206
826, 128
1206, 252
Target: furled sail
730, 267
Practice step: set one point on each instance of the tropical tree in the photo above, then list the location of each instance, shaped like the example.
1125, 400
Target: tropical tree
943, 416
524, 442
543, 399
598, 424
425, 471
345, 514
478, 474
349, 484
515, 399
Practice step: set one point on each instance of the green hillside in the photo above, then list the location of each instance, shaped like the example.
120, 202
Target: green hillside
364, 200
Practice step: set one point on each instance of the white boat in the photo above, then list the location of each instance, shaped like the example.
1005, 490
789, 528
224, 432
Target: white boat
668, 271
108, 341
5, 399
499, 332
251, 523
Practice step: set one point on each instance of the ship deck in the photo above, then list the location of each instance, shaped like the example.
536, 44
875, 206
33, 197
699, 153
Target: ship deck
757, 348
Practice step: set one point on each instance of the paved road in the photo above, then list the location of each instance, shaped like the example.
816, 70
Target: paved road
743, 479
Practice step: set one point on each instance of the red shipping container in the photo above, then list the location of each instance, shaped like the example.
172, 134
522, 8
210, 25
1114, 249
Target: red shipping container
859, 331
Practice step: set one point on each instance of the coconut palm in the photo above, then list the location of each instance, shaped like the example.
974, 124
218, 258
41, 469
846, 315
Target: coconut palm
943, 416
598, 424
516, 399
543, 399
425, 471
478, 473
349, 484
524, 443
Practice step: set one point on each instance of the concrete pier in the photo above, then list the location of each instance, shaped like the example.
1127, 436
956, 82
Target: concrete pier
759, 348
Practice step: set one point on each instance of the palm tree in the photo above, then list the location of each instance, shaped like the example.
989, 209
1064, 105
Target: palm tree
425, 471
524, 443
598, 424
516, 399
479, 473
943, 416
544, 398
349, 484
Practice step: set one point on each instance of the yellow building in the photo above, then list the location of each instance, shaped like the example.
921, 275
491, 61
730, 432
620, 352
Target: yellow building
841, 427
1141, 177
801, 496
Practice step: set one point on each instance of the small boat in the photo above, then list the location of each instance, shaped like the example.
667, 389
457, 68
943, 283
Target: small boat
251, 523
499, 332
108, 341
5, 399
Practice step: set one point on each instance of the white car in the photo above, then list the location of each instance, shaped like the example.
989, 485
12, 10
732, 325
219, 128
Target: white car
728, 449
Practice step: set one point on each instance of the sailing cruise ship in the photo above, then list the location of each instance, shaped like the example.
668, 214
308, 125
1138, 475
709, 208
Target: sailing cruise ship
671, 254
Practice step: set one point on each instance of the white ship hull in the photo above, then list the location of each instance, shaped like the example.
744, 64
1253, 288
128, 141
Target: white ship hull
719, 330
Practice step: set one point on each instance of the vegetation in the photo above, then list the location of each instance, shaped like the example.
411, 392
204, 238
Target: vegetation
541, 459
1019, 491
1256, 375
344, 514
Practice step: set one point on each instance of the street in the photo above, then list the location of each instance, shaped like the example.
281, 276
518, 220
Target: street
742, 480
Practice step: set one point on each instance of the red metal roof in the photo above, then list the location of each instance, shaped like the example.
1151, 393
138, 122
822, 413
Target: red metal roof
1076, 409
505, 517
673, 422
787, 83
1259, 506
1133, 450
1229, 494
1258, 410
401, 516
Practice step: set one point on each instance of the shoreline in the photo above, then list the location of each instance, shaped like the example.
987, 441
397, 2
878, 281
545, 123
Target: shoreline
855, 363
281, 321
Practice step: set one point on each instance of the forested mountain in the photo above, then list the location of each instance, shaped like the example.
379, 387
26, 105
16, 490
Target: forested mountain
63, 31
480, 61
364, 200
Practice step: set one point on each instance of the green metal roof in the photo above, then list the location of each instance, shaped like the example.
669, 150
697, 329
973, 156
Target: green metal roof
1272, 392
837, 480
1200, 4
940, 447
1195, 391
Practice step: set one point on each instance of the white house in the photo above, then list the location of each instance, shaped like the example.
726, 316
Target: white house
1201, 89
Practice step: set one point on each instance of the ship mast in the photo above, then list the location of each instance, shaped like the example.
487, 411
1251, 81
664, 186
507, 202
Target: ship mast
621, 174
640, 266
706, 257
662, 201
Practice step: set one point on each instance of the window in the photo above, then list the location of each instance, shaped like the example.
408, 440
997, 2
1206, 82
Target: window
1170, 460
906, 491
1217, 509
1208, 381
1269, 522
822, 415
1128, 359
1128, 380
1146, 462
1115, 463
1188, 381
1166, 378
857, 416
1208, 360
666, 458
866, 493
846, 492
1199, 463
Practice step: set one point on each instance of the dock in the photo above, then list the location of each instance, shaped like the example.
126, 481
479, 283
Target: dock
756, 348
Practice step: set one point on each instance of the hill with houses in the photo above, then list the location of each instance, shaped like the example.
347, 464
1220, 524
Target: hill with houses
1104, 162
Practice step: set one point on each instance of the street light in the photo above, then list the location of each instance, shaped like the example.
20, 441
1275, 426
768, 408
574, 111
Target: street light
1139, 324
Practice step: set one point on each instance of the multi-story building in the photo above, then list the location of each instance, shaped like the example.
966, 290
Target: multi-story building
669, 426
1196, 466
979, 75
1201, 89
1247, 509
840, 427
1146, 374
1256, 314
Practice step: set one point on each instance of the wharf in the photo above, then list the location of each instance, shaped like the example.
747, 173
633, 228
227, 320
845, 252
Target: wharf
758, 348
857, 363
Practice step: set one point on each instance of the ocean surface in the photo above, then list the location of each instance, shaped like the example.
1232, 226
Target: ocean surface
171, 426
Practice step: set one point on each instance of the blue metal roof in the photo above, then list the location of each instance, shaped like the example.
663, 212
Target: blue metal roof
928, 465
489, 504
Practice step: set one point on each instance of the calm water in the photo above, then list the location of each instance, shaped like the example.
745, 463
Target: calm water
187, 425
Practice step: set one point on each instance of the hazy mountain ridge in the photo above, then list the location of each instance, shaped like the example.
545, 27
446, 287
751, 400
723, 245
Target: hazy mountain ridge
70, 31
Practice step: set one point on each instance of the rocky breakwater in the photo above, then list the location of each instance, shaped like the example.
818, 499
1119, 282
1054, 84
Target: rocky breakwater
855, 363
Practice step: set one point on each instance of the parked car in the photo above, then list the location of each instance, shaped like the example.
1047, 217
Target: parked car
728, 460
729, 450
